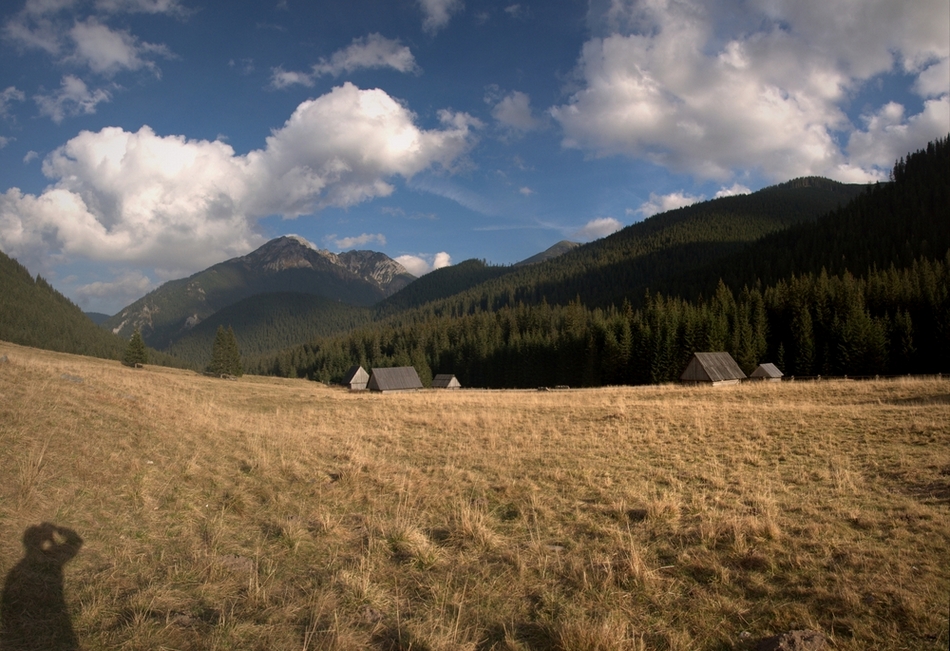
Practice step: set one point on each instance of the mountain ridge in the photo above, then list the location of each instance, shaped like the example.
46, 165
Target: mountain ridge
284, 264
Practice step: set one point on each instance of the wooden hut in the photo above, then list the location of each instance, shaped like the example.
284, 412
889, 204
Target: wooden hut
399, 378
712, 368
445, 381
356, 378
768, 372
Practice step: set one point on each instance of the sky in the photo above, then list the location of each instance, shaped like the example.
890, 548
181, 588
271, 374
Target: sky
145, 140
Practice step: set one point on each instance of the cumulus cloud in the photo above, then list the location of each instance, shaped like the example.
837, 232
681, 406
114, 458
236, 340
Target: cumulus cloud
715, 88
107, 51
526, 191
72, 98
65, 30
172, 202
30, 156
514, 112
889, 133
7, 96
5, 141
125, 289
438, 12
352, 242
423, 263
662, 203
598, 228
734, 190
169, 7
373, 51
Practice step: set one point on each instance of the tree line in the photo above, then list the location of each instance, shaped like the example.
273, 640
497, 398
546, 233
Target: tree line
892, 321
789, 298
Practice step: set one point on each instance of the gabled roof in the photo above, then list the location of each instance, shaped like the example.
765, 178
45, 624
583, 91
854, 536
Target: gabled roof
399, 378
766, 371
445, 381
712, 367
355, 374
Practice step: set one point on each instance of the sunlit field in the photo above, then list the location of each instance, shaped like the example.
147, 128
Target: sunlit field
282, 514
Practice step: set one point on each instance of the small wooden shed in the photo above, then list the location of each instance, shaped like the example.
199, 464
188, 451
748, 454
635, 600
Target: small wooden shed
356, 378
712, 368
445, 381
768, 372
399, 378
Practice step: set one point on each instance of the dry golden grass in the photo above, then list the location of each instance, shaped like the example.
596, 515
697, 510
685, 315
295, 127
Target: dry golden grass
281, 514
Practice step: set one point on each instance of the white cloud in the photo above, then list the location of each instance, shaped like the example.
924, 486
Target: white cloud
514, 112
281, 78
60, 28
597, 228
518, 11
713, 89
889, 134
438, 12
662, 203
107, 52
30, 157
168, 7
423, 263
734, 190
125, 289
352, 242
73, 98
5, 141
181, 204
7, 96
373, 51
526, 191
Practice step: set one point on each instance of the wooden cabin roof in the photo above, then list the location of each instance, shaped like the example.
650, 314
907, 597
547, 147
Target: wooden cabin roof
445, 381
766, 371
712, 367
398, 378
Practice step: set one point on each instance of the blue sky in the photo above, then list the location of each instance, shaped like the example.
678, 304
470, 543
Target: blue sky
145, 140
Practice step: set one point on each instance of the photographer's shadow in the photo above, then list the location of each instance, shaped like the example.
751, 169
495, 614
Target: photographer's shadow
33, 614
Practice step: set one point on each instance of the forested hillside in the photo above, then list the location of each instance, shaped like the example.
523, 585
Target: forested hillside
648, 254
267, 323
32, 313
880, 306
285, 264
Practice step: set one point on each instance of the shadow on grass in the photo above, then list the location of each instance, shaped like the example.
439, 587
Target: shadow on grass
33, 614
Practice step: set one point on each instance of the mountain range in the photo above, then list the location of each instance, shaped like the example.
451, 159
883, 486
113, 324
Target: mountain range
299, 310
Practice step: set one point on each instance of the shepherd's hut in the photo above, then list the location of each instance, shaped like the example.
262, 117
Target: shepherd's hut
767, 372
399, 378
356, 378
712, 368
445, 381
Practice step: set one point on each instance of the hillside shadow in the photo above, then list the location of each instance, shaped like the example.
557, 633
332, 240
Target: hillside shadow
33, 614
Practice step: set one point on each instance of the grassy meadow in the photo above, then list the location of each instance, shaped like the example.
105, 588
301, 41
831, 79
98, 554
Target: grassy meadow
280, 514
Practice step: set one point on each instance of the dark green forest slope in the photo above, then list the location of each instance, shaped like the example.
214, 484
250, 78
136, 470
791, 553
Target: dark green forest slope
863, 290
32, 313
646, 254
267, 323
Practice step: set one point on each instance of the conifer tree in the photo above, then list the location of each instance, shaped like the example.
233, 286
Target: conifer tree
233, 355
135, 351
225, 354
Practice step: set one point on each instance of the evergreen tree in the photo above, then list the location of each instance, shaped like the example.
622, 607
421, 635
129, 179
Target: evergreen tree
225, 354
233, 354
135, 352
